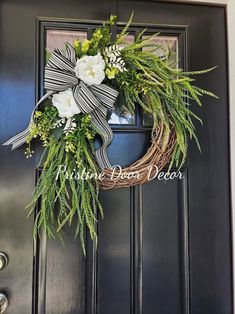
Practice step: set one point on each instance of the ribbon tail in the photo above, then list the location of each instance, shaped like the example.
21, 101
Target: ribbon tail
106, 133
20, 138
96, 100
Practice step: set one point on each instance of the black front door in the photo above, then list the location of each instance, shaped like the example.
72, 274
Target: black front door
164, 247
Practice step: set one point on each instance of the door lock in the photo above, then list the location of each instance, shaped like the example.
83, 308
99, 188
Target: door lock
3, 303
3, 261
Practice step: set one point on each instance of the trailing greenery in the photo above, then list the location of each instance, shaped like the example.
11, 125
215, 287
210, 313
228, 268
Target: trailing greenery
73, 197
163, 91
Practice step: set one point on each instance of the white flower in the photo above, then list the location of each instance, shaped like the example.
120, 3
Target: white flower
65, 103
90, 69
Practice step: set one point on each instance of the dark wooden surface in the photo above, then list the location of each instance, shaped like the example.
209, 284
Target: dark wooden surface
165, 247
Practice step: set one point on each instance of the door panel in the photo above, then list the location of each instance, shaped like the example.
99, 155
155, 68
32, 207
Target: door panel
113, 255
164, 247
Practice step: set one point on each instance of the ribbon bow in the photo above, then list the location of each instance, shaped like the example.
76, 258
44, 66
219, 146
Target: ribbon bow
94, 100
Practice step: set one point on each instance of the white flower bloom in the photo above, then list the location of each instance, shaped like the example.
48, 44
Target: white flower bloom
90, 69
65, 103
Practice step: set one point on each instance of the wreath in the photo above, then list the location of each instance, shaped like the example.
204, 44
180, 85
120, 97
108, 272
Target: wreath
82, 84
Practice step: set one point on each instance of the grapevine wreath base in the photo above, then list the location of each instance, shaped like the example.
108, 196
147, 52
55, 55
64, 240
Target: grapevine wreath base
158, 156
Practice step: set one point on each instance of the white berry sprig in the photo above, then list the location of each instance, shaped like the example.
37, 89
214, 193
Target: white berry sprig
113, 58
70, 126
59, 123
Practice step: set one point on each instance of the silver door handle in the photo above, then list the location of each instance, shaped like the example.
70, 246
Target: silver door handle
3, 303
3, 260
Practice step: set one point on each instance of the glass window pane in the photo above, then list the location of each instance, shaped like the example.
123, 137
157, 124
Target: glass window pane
169, 44
121, 115
58, 38
129, 39
147, 118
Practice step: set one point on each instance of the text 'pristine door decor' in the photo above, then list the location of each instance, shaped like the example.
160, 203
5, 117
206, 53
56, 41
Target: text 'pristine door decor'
82, 84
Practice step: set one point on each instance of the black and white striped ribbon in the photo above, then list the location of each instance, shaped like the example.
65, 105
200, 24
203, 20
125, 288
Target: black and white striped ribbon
94, 100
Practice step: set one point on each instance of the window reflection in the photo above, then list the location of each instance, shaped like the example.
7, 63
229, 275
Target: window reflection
58, 38
128, 39
121, 115
168, 46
